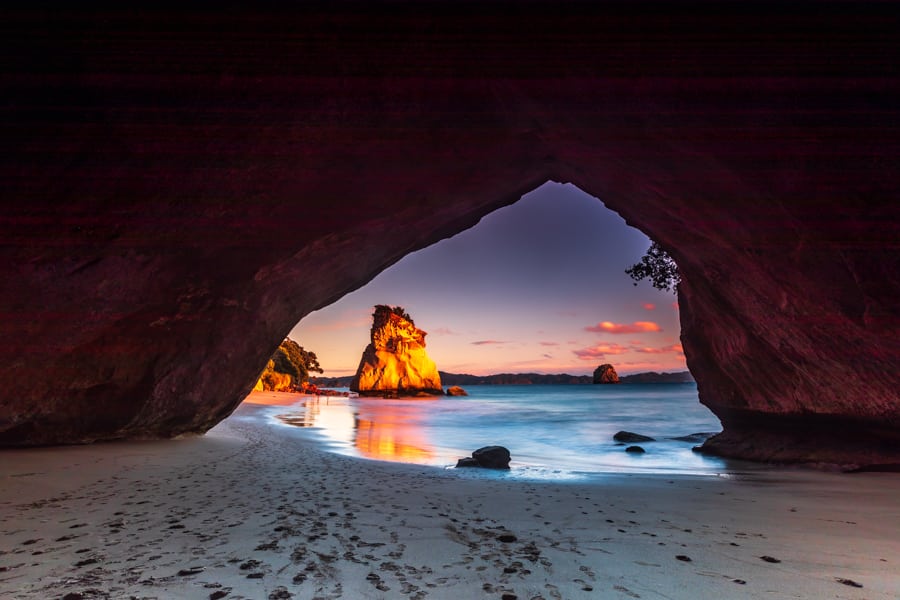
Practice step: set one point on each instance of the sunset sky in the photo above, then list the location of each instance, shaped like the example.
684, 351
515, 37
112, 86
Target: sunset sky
539, 286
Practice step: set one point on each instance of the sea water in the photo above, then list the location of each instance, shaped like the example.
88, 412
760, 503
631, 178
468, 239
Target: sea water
551, 431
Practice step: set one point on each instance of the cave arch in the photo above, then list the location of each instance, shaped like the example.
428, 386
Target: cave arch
532, 277
211, 178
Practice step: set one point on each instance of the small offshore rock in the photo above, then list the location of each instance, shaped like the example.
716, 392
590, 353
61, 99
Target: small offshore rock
635, 450
606, 374
770, 559
631, 437
849, 582
467, 462
683, 558
455, 390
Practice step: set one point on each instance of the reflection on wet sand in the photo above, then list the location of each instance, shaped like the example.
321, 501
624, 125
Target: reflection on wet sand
379, 429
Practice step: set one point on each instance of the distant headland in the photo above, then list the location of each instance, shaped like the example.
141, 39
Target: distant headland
528, 379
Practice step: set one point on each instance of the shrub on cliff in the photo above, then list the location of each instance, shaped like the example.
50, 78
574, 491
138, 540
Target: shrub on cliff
657, 266
293, 360
397, 310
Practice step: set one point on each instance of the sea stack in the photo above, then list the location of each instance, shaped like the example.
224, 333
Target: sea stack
606, 374
395, 362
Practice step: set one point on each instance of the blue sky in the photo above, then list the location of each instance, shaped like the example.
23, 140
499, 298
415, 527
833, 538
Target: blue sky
539, 286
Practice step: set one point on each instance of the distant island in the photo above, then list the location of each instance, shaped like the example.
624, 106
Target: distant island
463, 379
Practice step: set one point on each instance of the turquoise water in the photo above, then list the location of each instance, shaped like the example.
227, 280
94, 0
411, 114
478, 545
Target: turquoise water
550, 430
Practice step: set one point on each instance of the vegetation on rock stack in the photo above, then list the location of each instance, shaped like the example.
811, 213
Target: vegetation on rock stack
397, 310
288, 369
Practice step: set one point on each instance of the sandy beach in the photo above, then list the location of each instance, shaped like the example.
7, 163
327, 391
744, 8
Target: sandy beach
254, 510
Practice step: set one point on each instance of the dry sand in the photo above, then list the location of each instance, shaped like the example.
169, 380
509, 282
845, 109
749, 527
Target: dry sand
254, 510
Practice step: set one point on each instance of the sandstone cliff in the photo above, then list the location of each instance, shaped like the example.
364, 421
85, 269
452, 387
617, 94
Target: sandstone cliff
606, 374
395, 360
274, 381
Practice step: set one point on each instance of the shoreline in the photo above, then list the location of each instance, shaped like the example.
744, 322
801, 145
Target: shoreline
385, 429
251, 511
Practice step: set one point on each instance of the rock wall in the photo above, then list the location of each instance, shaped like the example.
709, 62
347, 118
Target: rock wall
180, 188
395, 361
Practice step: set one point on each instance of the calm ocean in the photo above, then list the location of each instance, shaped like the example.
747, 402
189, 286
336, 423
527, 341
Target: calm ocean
552, 431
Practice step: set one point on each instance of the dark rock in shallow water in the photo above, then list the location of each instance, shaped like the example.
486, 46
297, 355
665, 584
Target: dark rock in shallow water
492, 457
455, 390
694, 437
635, 450
489, 457
628, 436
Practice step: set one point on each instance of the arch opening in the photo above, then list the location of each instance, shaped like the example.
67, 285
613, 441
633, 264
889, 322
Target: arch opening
529, 301
537, 286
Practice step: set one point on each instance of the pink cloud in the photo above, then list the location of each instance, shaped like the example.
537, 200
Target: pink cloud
600, 350
648, 306
617, 328
549, 343
673, 349
443, 331
486, 342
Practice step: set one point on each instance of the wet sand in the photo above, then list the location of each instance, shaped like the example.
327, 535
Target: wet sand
253, 510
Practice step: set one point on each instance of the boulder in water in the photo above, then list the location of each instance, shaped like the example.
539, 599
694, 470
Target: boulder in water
628, 437
488, 457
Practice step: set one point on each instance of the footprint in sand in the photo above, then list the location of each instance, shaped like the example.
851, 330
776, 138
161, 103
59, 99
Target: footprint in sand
626, 591
584, 585
553, 591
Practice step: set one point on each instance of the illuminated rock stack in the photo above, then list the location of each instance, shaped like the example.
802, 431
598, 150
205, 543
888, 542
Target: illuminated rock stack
395, 362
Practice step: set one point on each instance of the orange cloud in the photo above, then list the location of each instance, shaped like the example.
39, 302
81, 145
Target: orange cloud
617, 328
648, 306
600, 350
673, 349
